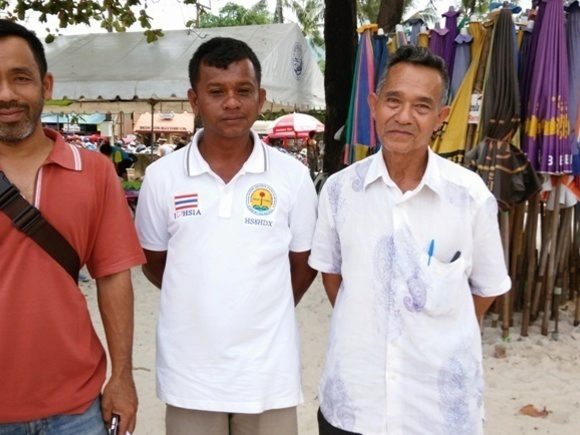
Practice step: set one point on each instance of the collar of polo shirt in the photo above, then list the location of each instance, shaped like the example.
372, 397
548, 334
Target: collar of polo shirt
196, 165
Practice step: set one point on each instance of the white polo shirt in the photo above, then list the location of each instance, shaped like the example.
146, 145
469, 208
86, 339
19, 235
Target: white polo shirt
404, 353
227, 338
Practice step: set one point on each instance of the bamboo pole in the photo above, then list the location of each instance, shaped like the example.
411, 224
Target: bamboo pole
552, 259
516, 248
545, 243
576, 263
505, 238
531, 231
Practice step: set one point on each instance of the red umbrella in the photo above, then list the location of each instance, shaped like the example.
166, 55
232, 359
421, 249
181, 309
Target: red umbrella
294, 125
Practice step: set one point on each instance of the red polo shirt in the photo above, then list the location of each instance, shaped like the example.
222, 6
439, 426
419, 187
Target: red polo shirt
51, 361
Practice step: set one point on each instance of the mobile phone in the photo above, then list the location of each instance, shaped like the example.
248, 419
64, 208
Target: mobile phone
114, 427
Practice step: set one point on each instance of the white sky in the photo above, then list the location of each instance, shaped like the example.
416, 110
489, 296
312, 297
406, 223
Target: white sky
172, 14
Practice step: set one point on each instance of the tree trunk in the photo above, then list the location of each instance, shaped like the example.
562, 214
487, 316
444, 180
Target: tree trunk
340, 41
390, 14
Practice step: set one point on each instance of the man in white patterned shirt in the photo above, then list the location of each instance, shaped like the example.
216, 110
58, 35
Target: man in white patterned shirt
410, 252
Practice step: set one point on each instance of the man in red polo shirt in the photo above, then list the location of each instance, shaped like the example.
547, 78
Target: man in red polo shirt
52, 365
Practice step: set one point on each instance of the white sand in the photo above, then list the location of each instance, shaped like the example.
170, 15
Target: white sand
536, 369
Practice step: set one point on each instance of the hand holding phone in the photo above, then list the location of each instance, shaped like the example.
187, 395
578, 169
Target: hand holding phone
114, 427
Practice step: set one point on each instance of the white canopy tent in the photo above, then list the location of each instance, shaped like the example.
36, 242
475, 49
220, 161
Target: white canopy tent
108, 71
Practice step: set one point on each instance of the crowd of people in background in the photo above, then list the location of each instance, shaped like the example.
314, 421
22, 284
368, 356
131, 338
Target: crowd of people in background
122, 151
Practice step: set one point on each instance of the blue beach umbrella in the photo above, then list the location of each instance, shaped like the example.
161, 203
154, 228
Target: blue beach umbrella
462, 61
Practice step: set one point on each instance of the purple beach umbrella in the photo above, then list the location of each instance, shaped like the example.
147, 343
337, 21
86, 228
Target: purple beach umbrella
546, 139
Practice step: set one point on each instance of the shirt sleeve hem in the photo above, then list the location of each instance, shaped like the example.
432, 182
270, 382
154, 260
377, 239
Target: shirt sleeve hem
487, 292
323, 267
121, 266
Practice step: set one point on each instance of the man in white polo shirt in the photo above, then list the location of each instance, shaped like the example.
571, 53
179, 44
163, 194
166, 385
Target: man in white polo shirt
227, 224
410, 255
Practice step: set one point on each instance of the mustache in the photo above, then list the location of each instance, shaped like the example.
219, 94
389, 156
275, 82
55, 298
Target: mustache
14, 105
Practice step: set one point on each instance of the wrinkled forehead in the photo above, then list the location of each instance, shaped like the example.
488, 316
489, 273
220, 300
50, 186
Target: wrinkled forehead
412, 78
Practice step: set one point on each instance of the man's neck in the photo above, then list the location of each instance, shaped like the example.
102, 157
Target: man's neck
225, 156
406, 170
30, 149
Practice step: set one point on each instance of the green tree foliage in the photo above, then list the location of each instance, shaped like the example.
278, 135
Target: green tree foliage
113, 15
310, 15
233, 14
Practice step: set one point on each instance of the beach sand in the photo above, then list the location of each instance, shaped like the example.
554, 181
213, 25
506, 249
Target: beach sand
536, 370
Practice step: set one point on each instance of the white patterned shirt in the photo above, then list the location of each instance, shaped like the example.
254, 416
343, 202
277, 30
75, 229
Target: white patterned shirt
404, 353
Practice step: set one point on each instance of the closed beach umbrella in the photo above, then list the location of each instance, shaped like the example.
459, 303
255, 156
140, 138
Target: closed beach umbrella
437, 41
381, 54
462, 61
503, 167
451, 24
451, 143
573, 41
360, 129
415, 23
546, 139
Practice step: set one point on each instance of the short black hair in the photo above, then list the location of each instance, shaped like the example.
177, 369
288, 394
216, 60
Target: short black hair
10, 28
220, 52
419, 56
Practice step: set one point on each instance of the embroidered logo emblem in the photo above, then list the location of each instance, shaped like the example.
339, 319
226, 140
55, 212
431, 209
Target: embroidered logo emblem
297, 60
261, 199
185, 205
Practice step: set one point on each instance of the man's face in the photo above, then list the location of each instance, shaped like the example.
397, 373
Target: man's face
408, 108
227, 100
22, 90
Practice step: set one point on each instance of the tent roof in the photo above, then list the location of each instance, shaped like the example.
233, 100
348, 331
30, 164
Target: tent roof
123, 66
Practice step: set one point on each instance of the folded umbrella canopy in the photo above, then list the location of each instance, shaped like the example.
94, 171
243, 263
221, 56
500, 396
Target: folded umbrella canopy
573, 41
451, 141
360, 127
503, 167
546, 139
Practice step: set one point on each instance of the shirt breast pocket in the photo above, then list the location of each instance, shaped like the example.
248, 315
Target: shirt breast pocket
448, 287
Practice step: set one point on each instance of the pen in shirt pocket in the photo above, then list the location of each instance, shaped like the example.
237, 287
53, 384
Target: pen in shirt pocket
430, 251
455, 256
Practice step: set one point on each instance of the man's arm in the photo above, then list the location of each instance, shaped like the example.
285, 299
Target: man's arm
482, 305
331, 282
115, 296
302, 274
155, 266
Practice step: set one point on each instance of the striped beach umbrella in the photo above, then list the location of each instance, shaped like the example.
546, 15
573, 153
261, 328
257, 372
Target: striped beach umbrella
360, 129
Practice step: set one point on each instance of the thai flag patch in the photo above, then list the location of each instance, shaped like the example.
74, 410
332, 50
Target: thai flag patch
185, 202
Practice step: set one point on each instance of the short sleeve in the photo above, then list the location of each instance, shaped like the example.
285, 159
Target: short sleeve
326, 254
489, 275
303, 215
116, 247
151, 217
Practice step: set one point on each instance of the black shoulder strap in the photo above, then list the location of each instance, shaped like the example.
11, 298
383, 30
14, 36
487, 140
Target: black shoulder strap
29, 220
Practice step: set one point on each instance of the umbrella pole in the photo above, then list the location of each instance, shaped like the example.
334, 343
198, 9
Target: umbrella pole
563, 245
552, 258
545, 217
517, 237
531, 231
576, 264
505, 238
